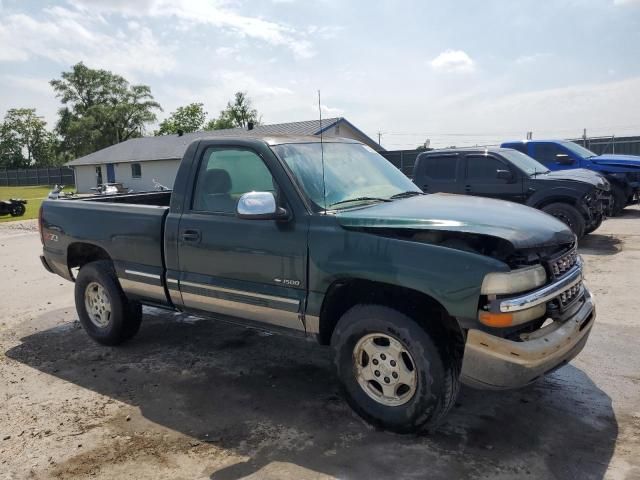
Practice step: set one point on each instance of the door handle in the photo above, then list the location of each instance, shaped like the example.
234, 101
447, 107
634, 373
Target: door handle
191, 235
467, 188
425, 187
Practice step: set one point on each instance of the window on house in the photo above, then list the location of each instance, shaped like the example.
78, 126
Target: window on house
136, 170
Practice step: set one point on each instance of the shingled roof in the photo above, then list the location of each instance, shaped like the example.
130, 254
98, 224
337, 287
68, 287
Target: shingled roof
171, 147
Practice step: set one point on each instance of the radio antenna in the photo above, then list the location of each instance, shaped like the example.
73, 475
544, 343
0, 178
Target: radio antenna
324, 189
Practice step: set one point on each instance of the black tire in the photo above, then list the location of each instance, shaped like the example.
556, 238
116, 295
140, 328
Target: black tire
569, 215
619, 200
595, 225
437, 368
126, 316
17, 210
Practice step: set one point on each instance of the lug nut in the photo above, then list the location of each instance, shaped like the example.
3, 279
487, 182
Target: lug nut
394, 375
386, 380
383, 356
377, 373
375, 361
393, 363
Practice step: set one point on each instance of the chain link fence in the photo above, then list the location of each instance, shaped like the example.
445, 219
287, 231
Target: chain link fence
36, 176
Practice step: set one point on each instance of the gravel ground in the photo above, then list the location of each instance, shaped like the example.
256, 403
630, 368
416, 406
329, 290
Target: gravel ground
189, 398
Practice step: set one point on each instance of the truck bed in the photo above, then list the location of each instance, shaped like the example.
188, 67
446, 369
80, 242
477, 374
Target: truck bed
160, 199
129, 228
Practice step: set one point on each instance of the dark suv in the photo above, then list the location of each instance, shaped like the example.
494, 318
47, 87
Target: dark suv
580, 198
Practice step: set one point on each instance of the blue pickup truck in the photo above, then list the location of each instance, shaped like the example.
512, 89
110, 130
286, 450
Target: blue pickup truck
623, 171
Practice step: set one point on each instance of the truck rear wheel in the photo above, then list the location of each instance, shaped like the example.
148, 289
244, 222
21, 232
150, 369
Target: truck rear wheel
104, 311
569, 215
394, 372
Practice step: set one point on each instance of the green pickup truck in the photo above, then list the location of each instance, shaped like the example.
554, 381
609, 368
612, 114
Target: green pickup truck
415, 293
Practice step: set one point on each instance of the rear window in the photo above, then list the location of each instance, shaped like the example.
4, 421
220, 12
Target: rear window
521, 147
440, 167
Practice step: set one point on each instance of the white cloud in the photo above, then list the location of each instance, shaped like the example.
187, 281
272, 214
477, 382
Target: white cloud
203, 12
533, 58
453, 61
66, 37
33, 84
327, 111
626, 2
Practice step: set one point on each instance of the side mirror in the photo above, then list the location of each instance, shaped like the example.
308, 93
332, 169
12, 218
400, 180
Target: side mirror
260, 206
564, 159
504, 175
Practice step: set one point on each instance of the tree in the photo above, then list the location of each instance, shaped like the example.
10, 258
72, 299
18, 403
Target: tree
187, 119
25, 140
219, 123
100, 109
241, 111
237, 114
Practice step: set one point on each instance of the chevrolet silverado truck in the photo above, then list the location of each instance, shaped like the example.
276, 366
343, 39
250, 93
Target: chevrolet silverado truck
623, 171
580, 198
326, 239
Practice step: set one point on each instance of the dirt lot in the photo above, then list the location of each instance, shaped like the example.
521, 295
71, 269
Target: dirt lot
200, 399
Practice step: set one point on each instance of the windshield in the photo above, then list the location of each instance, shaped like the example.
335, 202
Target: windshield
524, 162
578, 149
352, 171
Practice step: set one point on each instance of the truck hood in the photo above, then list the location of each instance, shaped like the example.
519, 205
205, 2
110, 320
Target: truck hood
522, 226
577, 175
624, 161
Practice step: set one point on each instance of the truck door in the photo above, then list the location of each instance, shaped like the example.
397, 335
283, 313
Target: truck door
252, 269
438, 173
490, 176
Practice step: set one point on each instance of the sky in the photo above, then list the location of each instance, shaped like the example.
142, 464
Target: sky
455, 73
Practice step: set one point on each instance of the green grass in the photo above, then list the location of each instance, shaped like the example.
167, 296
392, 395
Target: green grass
33, 195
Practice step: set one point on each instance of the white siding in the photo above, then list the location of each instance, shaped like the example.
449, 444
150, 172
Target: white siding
86, 177
164, 171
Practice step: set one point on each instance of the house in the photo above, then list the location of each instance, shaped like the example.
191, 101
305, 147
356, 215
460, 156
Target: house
136, 163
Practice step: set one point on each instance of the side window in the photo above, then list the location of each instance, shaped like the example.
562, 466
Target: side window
225, 174
483, 169
440, 167
546, 152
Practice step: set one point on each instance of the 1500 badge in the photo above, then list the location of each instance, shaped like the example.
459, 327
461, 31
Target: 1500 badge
286, 281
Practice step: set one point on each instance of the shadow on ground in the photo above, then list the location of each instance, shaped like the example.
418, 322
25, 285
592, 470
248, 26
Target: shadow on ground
275, 399
598, 244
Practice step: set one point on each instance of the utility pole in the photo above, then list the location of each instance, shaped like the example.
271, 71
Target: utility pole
529, 135
584, 137
380, 138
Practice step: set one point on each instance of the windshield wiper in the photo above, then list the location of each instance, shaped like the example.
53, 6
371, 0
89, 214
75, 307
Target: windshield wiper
411, 193
360, 199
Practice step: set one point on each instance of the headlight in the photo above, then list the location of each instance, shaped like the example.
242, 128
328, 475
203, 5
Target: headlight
521, 280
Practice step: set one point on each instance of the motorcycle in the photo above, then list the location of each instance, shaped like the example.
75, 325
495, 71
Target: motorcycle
14, 207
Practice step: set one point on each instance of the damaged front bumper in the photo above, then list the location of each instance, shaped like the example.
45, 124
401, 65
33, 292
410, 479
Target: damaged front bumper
498, 363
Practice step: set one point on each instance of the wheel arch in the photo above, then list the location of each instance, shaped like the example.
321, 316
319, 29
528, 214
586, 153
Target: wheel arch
81, 253
343, 294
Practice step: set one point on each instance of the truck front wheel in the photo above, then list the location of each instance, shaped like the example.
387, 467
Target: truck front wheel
569, 215
104, 311
394, 372
619, 199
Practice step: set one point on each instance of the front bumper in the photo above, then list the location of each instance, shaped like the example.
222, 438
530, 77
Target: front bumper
497, 363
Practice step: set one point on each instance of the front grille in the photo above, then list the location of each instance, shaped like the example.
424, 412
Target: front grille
563, 263
567, 297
